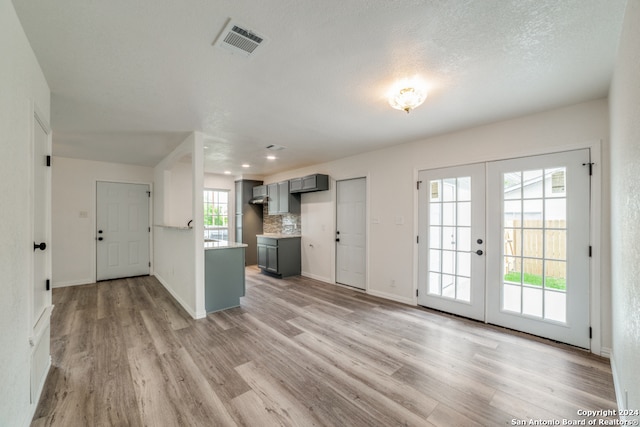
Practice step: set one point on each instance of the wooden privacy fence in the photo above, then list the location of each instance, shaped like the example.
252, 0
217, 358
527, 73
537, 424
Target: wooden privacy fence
529, 239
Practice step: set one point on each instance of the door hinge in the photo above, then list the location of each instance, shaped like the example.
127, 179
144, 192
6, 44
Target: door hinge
48, 161
149, 263
149, 194
590, 332
418, 185
590, 164
48, 284
417, 292
418, 239
590, 251
149, 229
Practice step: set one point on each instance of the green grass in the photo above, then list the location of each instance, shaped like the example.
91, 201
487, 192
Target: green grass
536, 280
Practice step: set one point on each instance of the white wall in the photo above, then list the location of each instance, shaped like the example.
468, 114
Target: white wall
74, 214
23, 85
179, 252
625, 211
391, 179
180, 195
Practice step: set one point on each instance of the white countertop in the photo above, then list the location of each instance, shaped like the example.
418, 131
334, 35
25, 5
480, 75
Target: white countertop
279, 236
222, 244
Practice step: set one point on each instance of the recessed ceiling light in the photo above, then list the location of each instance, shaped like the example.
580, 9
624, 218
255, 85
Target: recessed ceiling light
271, 157
227, 172
246, 165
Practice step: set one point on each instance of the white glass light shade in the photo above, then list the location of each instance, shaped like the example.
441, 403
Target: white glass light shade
407, 99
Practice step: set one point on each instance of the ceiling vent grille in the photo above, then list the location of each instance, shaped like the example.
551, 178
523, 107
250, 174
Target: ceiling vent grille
274, 147
239, 40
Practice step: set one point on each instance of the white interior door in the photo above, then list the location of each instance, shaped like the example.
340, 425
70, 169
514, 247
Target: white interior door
351, 232
41, 208
451, 240
122, 230
538, 259
40, 295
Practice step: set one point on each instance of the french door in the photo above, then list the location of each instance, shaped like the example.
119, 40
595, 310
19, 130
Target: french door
538, 268
451, 251
532, 274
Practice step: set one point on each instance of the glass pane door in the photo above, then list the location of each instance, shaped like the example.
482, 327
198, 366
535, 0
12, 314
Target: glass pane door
534, 234
451, 240
538, 267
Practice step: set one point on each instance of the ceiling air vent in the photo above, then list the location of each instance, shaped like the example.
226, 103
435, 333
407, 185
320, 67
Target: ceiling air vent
274, 147
239, 40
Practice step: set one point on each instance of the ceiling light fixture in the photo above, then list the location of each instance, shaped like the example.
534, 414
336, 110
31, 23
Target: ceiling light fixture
227, 172
271, 157
246, 165
407, 95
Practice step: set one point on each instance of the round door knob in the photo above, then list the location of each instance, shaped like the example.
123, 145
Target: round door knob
479, 252
100, 238
42, 246
479, 241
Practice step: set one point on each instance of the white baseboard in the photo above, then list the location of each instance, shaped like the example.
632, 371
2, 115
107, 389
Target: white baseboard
73, 283
316, 277
620, 398
193, 313
605, 352
408, 301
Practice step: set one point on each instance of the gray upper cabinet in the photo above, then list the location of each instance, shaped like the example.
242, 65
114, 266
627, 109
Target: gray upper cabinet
281, 201
310, 183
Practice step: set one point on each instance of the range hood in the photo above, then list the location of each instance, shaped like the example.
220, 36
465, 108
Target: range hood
259, 200
259, 195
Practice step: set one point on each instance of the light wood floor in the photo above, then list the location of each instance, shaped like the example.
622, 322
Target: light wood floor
299, 353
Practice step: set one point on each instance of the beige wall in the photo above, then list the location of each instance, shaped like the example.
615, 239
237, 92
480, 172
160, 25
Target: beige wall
625, 211
391, 175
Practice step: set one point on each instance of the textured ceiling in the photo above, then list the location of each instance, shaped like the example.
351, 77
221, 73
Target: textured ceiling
130, 79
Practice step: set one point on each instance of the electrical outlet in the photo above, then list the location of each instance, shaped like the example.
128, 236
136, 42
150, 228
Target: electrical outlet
393, 283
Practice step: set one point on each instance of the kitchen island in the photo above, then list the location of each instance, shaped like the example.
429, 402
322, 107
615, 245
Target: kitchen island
223, 274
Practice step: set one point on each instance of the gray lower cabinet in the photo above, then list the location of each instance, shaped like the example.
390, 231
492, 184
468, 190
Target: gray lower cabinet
223, 278
279, 256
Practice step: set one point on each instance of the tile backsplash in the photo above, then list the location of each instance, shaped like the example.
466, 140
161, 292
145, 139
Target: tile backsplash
281, 224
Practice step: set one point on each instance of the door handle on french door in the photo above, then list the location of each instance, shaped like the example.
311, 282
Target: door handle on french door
42, 246
479, 252
99, 238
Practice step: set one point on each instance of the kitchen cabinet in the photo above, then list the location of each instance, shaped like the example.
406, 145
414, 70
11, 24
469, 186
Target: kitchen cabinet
259, 190
279, 255
309, 183
248, 222
281, 201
